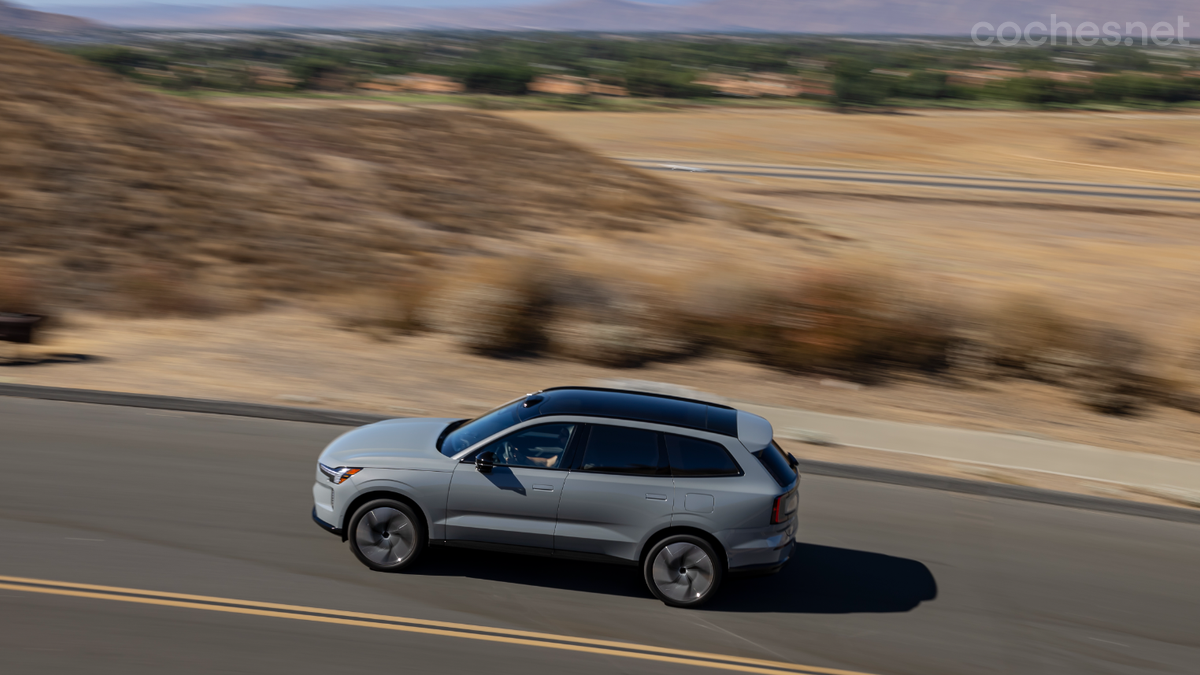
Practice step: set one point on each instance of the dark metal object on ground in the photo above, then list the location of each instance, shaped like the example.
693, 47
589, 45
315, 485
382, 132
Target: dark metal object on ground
18, 328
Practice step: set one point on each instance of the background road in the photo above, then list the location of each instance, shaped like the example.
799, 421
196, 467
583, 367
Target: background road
946, 181
889, 580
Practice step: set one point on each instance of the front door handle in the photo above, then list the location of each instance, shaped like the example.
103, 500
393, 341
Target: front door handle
543, 488
657, 498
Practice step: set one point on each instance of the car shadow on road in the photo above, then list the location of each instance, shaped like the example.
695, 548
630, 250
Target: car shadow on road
571, 575
818, 580
830, 580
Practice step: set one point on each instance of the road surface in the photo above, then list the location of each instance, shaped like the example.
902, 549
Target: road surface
927, 180
889, 579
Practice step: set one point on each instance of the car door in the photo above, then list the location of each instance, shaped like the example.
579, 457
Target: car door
517, 501
619, 491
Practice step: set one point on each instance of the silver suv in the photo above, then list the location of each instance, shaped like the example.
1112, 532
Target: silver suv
687, 490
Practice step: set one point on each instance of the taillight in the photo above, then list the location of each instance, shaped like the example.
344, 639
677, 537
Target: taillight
784, 506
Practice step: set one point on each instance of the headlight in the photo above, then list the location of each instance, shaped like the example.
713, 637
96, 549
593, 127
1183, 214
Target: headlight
339, 475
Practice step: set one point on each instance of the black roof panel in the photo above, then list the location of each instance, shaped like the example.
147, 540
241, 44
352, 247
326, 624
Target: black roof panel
640, 406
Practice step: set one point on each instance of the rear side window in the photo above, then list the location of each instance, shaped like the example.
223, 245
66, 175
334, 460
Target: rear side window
695, 458
776, 464
624, 450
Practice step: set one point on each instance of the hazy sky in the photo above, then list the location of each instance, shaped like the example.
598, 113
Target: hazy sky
51, 5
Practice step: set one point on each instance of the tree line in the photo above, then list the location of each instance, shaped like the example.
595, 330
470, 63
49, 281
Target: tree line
860, 72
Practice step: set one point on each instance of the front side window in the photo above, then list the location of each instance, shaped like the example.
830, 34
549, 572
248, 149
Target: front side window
697, 458
624, 450
540, 447
469, 433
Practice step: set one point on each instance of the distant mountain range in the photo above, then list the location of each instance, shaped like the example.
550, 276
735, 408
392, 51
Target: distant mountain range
16, 19
919, 17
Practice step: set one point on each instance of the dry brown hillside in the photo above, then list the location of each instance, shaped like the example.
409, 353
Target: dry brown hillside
101, 181
16, 18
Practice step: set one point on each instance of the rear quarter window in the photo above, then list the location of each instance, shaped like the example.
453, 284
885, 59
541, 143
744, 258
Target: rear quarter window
776, 464
694, 457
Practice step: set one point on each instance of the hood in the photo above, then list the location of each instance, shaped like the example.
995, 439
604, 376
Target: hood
391, 444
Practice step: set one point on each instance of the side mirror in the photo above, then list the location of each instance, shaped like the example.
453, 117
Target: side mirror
484, 461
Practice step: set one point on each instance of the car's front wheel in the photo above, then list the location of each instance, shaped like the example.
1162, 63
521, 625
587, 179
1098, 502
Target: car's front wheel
386, 535
683, 570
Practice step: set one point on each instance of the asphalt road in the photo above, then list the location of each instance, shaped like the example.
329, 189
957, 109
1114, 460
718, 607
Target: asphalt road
945, 181
889, 579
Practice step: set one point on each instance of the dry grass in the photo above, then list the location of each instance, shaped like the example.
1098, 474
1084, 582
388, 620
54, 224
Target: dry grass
1123, 262
100, 180
530, 245
1153, 148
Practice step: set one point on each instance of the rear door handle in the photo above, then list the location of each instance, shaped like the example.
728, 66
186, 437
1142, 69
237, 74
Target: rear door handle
543, 488
657, 498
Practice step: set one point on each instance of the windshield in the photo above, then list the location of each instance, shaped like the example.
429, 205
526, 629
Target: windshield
470, 433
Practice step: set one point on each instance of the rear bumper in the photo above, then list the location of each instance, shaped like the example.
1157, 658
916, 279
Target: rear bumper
759, 548
763, 569
326, 526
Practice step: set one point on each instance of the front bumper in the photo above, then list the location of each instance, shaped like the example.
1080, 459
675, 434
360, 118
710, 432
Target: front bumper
326, 526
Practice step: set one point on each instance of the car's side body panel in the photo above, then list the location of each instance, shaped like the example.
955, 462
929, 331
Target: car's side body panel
508, 505
612, 515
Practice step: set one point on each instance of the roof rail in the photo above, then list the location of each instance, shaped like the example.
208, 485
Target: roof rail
639, 393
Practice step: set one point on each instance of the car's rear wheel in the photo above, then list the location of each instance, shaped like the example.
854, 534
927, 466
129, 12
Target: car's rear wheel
683, 570
386, 535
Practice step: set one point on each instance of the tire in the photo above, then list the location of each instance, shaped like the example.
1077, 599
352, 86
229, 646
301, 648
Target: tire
683, 571
386, 535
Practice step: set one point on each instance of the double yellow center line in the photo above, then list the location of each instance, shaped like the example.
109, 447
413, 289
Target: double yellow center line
408, 625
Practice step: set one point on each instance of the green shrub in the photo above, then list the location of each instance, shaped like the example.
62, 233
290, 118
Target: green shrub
120, 60
659, 79
497, 79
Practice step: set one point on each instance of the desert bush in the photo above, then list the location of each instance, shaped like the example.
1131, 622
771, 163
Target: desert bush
618, 322
1107, 366
853, 322
1112, 375
526, 306
1028, 333
496, 307
162, 290
396, 308
18, 292
845, 321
